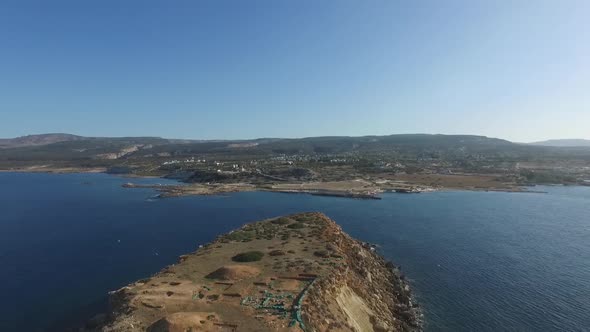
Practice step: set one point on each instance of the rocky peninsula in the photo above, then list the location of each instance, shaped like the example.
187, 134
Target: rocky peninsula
294, 273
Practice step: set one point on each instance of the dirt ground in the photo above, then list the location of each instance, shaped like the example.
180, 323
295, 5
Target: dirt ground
358, 185
373, 185
210, 281
454, 181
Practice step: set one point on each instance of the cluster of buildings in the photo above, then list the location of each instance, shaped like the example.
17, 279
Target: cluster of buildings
191, 160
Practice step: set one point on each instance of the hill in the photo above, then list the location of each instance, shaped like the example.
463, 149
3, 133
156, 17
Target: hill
294, 273
35, 140
70, 147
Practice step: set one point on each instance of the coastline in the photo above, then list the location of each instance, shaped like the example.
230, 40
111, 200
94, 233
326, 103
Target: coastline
355, 188
168, 191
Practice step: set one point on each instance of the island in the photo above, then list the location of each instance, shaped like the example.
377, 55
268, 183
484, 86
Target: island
292, 273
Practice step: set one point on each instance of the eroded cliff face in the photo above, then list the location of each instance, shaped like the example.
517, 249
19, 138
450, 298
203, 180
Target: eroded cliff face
366, 294
295, 273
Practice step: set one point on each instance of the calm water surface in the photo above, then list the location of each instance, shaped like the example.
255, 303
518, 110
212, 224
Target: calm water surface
477, 261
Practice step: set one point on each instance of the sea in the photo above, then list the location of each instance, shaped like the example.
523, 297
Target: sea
476, 261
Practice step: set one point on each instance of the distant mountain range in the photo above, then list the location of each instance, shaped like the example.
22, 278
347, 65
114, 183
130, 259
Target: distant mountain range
69, 147
66, 147
51, 138
34, 140
403, 139
564, 143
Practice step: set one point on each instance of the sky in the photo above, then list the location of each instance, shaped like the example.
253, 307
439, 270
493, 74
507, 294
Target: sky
513, 69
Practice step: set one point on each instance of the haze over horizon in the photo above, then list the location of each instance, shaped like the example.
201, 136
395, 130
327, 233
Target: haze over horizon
514, 70
556, 140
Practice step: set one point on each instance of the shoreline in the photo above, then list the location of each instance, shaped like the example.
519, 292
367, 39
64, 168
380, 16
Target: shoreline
197, 189
172, 190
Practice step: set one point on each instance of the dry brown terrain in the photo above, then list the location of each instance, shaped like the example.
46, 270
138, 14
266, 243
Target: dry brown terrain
355, 188
358, 186
456, 181
300, 273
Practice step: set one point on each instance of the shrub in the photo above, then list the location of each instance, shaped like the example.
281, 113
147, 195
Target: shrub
305, 218
322, 253
281, 221
276, 253
250, 256
243, 236
296, 225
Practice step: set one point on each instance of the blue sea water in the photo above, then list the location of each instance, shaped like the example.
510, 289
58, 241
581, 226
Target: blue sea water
477, 261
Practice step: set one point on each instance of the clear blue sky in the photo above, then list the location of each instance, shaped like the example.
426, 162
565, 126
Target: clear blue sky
513, 69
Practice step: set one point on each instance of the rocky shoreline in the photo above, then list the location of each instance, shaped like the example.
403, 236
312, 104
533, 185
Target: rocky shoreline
294, 273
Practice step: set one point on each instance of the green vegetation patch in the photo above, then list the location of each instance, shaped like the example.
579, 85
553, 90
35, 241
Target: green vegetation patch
243, 236
546, 177
322, 253
250, 256
281, 221
297, 233
305, 218
297, 225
